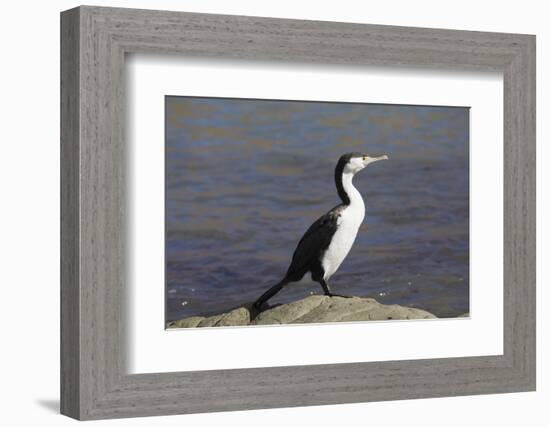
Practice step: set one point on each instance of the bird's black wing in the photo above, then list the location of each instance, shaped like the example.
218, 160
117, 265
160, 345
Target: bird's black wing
313, 243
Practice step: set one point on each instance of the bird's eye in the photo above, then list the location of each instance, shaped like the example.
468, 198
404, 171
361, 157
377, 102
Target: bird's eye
364, 157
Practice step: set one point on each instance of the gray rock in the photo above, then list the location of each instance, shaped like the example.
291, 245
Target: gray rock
313, 309
289, 313
189, 322
237, 317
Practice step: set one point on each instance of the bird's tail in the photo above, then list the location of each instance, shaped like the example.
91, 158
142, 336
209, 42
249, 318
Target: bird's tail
270, 293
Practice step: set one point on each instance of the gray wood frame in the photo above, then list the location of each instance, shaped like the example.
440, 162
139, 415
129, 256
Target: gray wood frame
94, 41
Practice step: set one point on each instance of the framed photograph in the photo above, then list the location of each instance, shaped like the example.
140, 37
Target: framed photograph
262, 213
231, 223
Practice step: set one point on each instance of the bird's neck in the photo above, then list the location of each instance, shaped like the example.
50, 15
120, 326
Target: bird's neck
348, 193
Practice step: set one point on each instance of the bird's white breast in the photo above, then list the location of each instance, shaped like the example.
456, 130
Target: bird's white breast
342, 240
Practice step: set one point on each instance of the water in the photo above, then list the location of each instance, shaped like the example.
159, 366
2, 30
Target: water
246, 178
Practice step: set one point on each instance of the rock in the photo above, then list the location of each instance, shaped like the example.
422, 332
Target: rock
190, 322
237, 317
323, 309
313, 309
289, 313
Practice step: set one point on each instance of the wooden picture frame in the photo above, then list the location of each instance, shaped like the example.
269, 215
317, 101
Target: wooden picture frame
94, 41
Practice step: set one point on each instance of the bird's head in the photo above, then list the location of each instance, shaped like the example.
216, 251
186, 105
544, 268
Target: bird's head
355, 162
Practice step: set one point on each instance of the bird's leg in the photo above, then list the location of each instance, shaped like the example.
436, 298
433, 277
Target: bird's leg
326, 289
328, 292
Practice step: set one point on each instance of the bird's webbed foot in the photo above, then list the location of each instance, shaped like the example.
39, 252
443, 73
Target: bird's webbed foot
329, 293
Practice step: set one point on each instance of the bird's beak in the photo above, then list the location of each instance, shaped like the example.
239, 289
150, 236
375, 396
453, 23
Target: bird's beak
369, 160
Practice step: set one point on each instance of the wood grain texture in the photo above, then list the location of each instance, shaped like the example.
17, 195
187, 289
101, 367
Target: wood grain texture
70, 221
94, 381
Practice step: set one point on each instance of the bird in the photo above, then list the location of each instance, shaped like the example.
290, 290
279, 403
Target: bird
327, 242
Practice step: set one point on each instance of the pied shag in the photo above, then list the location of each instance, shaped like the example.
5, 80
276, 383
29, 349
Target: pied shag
327, 242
